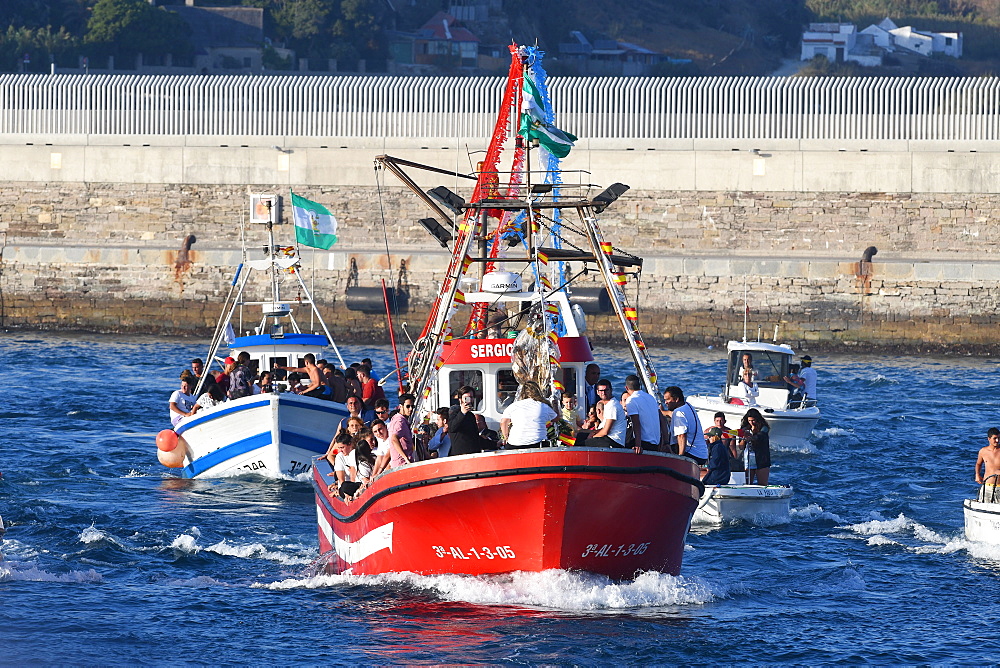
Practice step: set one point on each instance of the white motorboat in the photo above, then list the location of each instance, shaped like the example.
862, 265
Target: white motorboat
982, 514
790, 423
759, 504
275, 433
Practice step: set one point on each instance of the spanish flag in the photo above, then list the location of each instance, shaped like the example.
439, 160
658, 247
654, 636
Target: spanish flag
546, 282
553, 361
542, 257
567, 440
465, 263
559, 386
620, 278
606, 248
553, 337
427, 392
459, 297
552, 308
630, 313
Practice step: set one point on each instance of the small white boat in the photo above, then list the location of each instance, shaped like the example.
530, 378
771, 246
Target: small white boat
721, 504
982, 514
275, 433
790, 423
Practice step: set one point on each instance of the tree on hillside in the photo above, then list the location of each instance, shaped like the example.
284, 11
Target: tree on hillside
124, 28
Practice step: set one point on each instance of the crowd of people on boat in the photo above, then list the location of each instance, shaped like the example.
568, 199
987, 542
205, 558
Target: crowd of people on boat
238, 378
376, 437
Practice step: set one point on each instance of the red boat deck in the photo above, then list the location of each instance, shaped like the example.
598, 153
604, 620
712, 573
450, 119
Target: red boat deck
611, 512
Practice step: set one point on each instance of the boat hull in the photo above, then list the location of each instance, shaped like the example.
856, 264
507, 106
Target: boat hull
752, 503
982, 521
272, 435
788, 428
608, 512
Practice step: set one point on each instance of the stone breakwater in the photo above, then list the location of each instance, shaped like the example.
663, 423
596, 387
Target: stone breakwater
112, 257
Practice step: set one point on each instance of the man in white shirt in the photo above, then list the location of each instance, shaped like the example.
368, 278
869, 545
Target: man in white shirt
182, 401
686, 434
808, 376
611, 433
644, 415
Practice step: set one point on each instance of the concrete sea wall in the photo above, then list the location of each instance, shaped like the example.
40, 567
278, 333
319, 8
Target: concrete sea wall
92, 239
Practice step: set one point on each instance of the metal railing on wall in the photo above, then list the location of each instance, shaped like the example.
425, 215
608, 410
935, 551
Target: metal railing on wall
448, 107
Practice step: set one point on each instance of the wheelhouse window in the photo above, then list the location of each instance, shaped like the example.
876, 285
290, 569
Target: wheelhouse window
770, 368
471, 377
506, 389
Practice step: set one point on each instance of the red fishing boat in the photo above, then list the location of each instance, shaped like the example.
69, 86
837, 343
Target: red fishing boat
606, 511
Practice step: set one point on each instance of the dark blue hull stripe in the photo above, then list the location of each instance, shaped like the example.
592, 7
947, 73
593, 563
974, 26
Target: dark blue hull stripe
242, 447
309, 443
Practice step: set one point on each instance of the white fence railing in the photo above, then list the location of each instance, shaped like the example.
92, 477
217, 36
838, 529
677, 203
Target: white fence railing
613, 107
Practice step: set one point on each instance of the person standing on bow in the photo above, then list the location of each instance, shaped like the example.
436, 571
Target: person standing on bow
756, 440
686, 438
525, 422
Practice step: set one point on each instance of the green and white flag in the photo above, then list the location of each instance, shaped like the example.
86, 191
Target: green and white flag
314, 224
533, 125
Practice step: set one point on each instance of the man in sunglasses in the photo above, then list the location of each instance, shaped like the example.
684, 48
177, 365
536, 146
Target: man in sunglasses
611, 433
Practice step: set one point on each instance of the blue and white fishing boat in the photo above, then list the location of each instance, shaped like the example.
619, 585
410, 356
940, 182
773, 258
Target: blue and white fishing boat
276, 433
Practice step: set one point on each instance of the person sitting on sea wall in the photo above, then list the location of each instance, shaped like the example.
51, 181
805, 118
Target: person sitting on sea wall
718, 459
182, 401
524, 423
988, 464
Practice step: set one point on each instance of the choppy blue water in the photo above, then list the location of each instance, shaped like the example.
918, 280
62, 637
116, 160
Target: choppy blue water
110, 559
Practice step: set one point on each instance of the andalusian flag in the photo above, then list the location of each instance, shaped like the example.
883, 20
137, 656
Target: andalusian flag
315, 226
534, 125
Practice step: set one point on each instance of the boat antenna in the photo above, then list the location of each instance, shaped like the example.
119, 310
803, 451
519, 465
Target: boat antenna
746, 308
774, 339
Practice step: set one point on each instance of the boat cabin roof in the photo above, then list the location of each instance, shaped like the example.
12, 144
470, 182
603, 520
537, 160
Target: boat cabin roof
760, 346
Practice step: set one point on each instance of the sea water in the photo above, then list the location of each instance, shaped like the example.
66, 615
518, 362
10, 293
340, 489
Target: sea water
111, 559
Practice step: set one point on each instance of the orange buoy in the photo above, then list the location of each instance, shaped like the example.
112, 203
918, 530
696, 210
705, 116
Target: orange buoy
166, 440
173, 459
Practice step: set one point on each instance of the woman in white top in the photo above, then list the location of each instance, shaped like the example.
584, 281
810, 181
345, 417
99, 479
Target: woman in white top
525, 422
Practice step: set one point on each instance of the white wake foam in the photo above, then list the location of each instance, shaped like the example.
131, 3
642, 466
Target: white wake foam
12, 571
812, 513
187, 543
554, 589
912, 536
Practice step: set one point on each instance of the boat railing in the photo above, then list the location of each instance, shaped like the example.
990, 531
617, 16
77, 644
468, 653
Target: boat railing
981, 497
